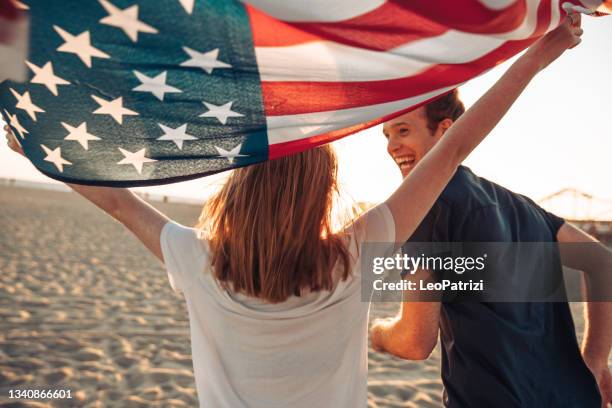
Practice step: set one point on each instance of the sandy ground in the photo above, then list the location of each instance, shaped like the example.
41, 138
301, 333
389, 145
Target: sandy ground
84, 307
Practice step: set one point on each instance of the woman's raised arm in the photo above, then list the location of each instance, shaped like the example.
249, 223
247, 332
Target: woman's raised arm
120, 203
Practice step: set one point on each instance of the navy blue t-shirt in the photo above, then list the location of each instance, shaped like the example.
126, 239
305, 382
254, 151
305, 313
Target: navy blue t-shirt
500, 354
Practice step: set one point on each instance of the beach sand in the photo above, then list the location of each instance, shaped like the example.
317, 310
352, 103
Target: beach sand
84, 307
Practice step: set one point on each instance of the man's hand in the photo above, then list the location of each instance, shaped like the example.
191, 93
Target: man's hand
601, 372
377, 331
412, 334
552, 45
12, 142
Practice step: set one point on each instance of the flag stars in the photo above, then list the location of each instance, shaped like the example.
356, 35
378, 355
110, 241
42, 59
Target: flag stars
230, 155
178, 135
206, 61
79, 45
113, 108
187, 5
45, 76
14, 122
79, 134
157, 85
126, 19
24, 102
55, 157
137, 159
221, 112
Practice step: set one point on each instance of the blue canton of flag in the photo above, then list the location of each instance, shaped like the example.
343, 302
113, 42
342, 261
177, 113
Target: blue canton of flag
125, 94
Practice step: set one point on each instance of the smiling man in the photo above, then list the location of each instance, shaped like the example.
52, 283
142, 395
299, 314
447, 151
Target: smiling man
497, 354
412, 135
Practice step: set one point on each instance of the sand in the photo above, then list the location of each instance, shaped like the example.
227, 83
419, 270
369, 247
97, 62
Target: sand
84, 307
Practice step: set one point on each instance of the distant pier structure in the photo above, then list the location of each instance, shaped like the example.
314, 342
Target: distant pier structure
592, 214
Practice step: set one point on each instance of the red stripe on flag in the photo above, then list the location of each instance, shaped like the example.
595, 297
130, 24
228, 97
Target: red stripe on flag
471, 16
8, 10
292, 98
389, 26
8, 13
295, 146
270, 32
278, 150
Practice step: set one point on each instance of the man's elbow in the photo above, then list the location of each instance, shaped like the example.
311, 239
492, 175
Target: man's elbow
415, 350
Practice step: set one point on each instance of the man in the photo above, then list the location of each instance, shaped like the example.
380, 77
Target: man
496, 354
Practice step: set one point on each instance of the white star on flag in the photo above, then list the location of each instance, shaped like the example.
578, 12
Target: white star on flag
232, 154
55, 157
45, 76
126, 19
157, 86
187, 5
221, 112
206, 61
79, 45
137, 159
113, 108
177, 135
79, 134
24, 102
14, 122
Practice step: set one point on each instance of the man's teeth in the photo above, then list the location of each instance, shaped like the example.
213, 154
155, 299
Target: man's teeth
404, 161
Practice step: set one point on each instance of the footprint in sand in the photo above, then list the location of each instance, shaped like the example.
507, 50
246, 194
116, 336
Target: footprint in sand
127, 360
59, 375
89, 354
10, 378
26, 363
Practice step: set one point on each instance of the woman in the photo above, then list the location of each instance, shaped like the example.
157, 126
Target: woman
273, 293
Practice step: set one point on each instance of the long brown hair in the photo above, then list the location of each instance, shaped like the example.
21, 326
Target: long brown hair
270, 227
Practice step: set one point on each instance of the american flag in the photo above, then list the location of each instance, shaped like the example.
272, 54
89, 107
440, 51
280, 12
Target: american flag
131, 93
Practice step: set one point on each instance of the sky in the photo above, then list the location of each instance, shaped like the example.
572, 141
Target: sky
557, 135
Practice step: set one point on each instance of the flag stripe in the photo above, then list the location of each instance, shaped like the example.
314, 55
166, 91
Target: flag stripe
8, 10
381, 29
497, 4
472, 16
287, 98
325, 61
292, 127
315, 10
555, 16
365, 31
384, 28
290, 98
281, 149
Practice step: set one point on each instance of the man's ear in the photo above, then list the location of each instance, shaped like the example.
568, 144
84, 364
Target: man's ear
443, 126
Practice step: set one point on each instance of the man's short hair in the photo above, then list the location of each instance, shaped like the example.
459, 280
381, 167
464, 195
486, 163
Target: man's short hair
448, 106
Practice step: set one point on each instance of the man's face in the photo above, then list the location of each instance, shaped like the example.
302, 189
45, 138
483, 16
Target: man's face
409, 139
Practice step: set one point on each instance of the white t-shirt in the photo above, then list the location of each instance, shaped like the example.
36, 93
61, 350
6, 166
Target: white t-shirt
306, 352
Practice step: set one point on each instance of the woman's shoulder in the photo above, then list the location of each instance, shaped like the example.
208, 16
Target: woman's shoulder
376, 224
184, 240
